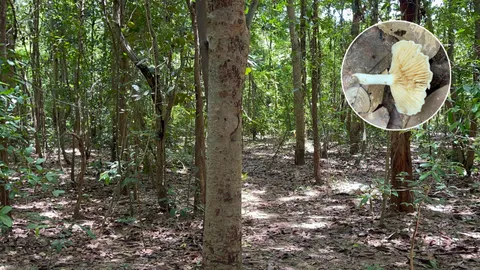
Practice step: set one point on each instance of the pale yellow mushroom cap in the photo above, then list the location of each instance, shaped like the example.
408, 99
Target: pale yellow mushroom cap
412, 76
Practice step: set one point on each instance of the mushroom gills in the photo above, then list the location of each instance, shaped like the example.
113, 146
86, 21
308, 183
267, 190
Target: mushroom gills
409, 77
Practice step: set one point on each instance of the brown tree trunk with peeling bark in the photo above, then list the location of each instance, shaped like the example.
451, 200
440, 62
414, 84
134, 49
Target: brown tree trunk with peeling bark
228, 51
298, 94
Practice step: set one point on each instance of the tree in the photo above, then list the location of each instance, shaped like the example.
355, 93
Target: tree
400, 155
200, 167
354, 124
37, 81
228, 47
298, 93
4, 192
315, 70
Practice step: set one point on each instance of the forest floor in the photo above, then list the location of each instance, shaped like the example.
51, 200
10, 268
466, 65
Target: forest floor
288, 222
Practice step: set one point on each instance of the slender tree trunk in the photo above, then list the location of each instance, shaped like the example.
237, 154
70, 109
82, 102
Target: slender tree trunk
62, 114
200, 167
315, 62
80, 179
161, 118
374, 11
298, 93
252, 8
476, 80
55, 113
355, 125
228, 52
4, 77
201, 9
303, 44
37, 81
122, 111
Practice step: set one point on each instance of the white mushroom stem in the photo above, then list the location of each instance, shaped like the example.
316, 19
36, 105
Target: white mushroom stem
366, 79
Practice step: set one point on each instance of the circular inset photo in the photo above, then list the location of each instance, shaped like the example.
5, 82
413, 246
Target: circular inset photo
396, 75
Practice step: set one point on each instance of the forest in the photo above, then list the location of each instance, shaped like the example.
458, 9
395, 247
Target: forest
221, 134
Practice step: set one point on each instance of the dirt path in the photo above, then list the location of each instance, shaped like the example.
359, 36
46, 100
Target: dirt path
288, 224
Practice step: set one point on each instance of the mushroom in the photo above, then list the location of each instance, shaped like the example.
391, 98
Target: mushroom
409, 77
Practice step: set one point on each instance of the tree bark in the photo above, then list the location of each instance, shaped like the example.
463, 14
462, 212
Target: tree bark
252, 8
122, 73
4, 193
401, 159
201, 10
80, 179
228, 52
354, 126
200, 167
37, 81
400, 155
315, 69
374, 12
298, 93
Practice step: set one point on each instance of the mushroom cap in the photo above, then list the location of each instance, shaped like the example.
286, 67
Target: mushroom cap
412, 76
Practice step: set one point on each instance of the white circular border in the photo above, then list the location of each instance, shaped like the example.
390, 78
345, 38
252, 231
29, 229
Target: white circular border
441, 47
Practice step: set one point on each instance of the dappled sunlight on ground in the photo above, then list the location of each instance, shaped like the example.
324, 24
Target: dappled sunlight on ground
323, 227
288, 222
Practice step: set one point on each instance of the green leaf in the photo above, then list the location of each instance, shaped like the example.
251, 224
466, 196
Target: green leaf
40, 161
6, 220
105, 177
424, 176
89, 232
51, 177
58, 192
364, 200
5, 210
28, 151
129, 180
248, 70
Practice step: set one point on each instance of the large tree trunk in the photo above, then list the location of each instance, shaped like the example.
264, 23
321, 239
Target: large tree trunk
228, 52
315, 69
297, 87
200, 167
476, 77
401, 157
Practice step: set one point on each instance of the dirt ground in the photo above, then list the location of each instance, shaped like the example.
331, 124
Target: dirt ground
289, 223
